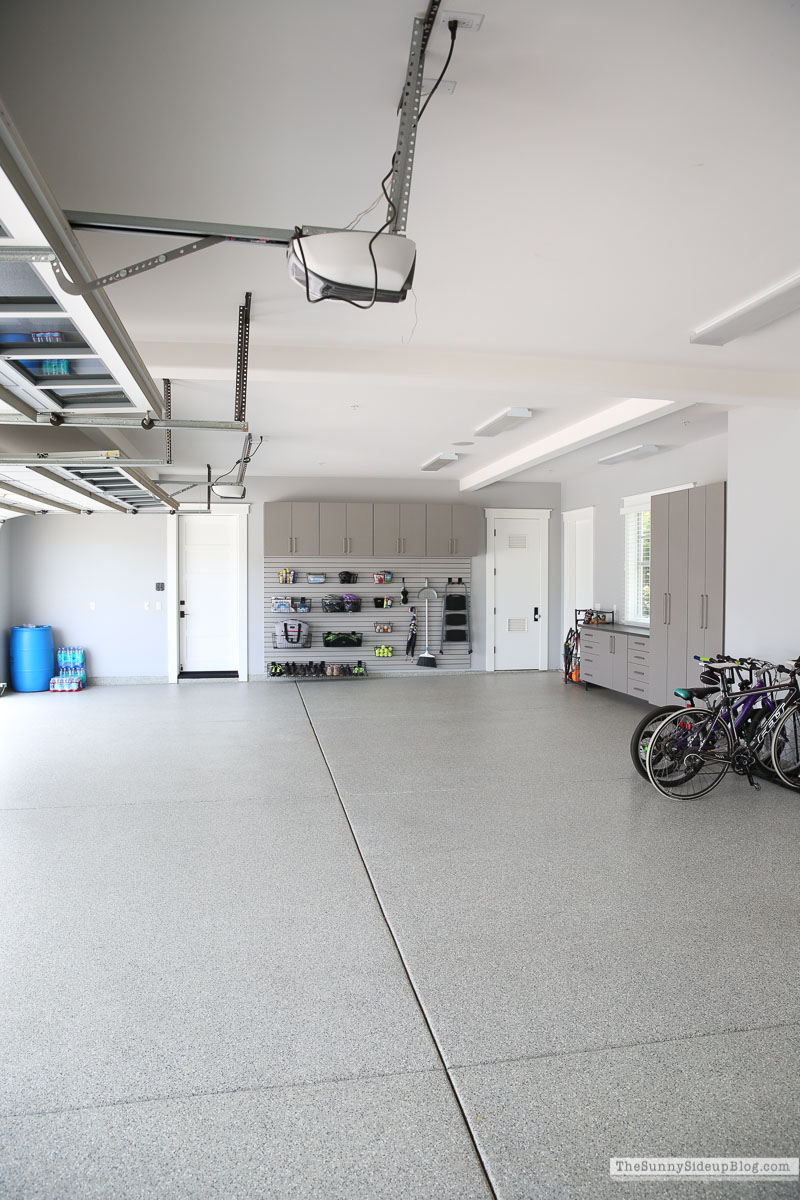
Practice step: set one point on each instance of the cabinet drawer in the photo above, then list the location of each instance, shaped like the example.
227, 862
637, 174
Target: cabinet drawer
590, 659
589, 640
588, 671
636, 658
642, 690
638, 674
639, 645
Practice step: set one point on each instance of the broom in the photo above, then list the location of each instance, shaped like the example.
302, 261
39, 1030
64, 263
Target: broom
426, 659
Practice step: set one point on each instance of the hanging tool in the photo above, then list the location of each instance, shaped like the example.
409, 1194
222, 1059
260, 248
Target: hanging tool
427, 658
411, 644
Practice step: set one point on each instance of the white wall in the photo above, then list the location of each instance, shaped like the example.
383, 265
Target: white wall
705, 461
62, 563
499, 495
762, 613
5, 595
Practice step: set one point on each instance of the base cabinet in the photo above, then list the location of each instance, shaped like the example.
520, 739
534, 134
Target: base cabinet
604, 658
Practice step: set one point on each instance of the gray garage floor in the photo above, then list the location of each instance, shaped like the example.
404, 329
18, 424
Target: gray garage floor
401, 938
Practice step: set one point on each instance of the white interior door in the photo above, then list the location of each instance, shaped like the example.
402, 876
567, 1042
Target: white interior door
209, 592
520, 587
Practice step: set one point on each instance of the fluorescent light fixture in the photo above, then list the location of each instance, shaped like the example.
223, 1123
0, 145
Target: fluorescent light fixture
764, 309
640, 451
503, 421
441, 460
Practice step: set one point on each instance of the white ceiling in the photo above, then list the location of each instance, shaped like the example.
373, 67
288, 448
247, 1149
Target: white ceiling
604, 178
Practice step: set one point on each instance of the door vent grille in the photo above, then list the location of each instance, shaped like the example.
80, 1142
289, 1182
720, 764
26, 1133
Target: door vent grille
518, 541
517, 624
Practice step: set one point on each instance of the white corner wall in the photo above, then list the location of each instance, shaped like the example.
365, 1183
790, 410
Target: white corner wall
60, 565
705, 461
762, 613
5, 595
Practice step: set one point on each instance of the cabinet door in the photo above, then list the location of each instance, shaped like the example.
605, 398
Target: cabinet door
469, 529
619, 662
659, 581
438, 530
715, 568
678, 590
596, 658
305, 527
696, 584
332, 528
359, 529
412, 530
386, 528
277, 528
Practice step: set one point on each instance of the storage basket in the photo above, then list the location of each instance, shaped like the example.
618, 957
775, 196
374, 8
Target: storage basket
339, 639
291, 635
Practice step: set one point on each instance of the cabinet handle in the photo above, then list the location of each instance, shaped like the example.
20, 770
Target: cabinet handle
706, 625
397, 551
344, 545
669, 608
403, 540
664, 621
702, 611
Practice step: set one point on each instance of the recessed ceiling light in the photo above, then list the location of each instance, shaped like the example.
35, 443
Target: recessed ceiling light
442, 460
640, 451
503, 421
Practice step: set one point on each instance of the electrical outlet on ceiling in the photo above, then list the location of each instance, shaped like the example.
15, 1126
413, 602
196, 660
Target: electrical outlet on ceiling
468, 22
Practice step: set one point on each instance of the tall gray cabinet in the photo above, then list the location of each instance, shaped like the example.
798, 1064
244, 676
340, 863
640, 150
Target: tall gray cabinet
706, 595
687, 585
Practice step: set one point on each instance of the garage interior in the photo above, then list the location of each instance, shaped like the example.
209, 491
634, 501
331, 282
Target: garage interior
271, 930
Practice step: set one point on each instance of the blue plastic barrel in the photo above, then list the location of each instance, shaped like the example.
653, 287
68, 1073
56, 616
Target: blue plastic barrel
31, 657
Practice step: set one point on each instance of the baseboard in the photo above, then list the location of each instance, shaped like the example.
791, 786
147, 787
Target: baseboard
124, 680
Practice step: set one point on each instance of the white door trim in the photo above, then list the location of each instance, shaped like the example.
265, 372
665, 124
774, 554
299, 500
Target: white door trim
531, 514
570, 519
242, 512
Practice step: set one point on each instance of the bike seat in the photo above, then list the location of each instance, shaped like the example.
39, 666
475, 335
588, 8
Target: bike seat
695, 693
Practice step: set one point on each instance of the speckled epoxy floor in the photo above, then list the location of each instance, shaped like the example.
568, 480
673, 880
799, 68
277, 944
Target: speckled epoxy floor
401, 938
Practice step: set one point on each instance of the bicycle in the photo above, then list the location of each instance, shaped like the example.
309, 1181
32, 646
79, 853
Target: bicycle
692, 749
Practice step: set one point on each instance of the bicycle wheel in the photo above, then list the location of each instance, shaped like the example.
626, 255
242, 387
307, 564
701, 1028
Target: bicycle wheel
749, 733
644, 732
786, 748
689, 754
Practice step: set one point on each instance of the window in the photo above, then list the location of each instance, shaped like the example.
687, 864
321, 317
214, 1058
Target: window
637, 566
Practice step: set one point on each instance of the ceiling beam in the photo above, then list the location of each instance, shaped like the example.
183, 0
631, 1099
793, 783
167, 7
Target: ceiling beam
25, 412
37, 497
148, 484
616, 419
46, 473
19, 510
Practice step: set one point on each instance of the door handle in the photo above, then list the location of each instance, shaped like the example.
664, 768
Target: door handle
536, 614
183, 614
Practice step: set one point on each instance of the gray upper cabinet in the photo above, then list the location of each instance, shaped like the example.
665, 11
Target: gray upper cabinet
345, 528
454, 529
469, 530
399, 529
291, 527
438, 529
277, 528
359, 529
386, 529
412, 530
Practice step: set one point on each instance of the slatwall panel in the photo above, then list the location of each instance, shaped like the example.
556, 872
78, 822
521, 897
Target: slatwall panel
456, 654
